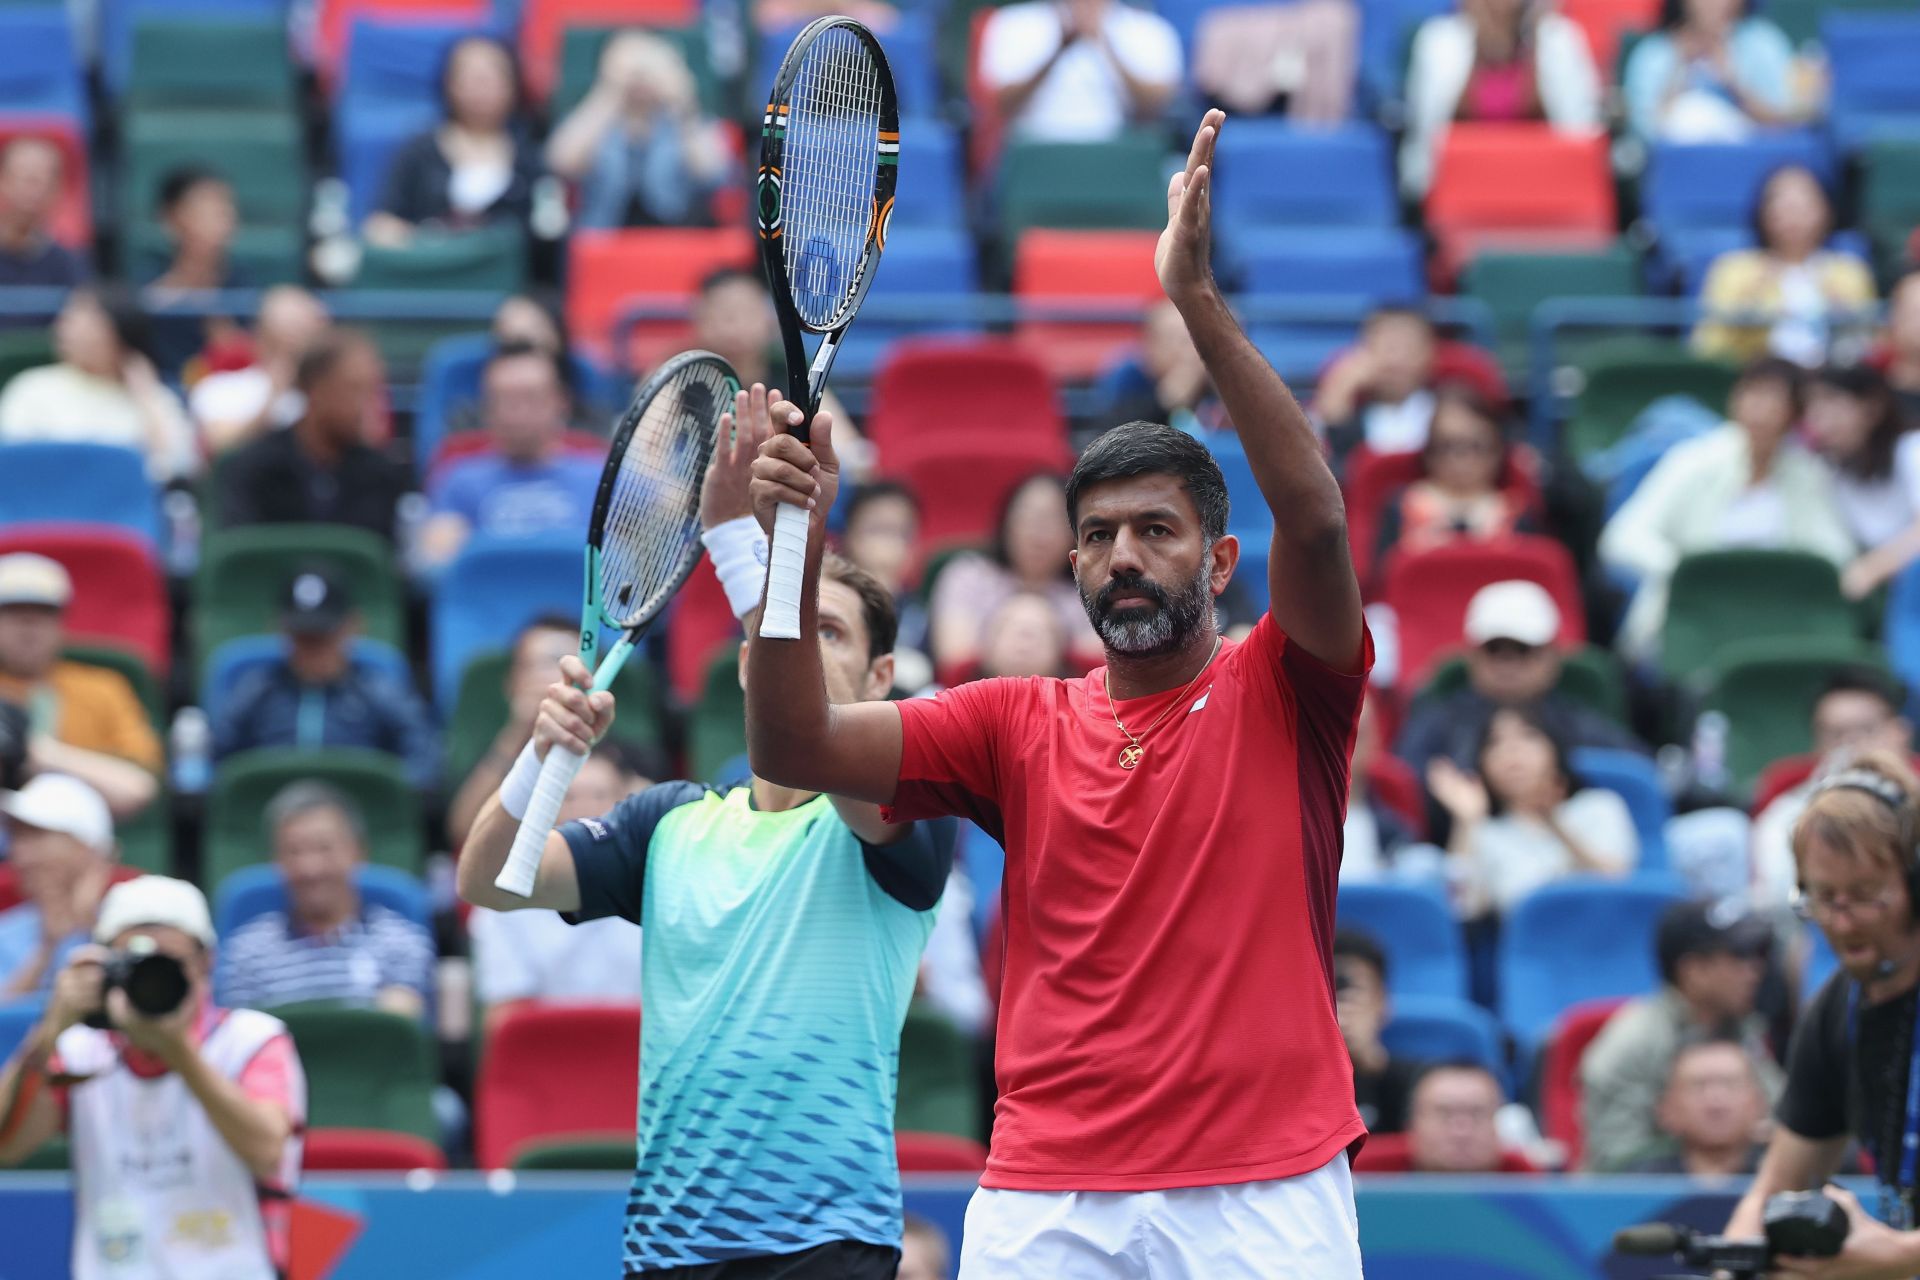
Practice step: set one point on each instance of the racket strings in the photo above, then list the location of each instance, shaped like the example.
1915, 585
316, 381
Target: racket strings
652, 523
832, 152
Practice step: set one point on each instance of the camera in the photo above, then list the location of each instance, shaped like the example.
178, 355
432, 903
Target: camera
1800, 1224
155, 982
14, 732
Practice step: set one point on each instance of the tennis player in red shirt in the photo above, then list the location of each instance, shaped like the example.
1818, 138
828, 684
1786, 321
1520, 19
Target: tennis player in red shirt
1175, 1097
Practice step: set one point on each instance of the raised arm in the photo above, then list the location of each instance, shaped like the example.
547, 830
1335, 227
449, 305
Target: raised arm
1315, 596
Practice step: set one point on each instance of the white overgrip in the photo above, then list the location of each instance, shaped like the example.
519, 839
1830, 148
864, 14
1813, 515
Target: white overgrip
784, 573
530, 842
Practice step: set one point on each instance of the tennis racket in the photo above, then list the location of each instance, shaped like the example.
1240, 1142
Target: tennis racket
829, 154
642, 542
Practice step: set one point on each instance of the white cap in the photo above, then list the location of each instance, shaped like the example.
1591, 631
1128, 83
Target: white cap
56, 802
158, 900
1512, 610
26, 578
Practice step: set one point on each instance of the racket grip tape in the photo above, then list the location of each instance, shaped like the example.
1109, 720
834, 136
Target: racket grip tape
530, 842
786, 567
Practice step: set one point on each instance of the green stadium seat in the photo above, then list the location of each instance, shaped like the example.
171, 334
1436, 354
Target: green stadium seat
481, 710
146, 839
1722, 598
244, 783
1083, 184
1589, 676
261, 153
1800, 19
717, 726
134, 669
491, 261
23, 349
1621, 378
1766, 689
614, 1155
243, 572
51, 1156
1513, 284
1890, 197
580, 49
208, 61
938, 1092
366, 1069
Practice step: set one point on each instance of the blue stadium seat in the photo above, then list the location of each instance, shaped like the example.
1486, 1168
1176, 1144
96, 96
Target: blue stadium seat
1377, 264
1633, 778
1273, 174
494, 587
932, 187
450, 380
366, 137
1426, 955
1444, 1029
16, 1020
56, 482
985, 863
40, 73
1247, 509
1716, 185
1300, 351
236, 659
1251, 573
1901, 630
1872, 57
909, 48
919, 261
1578, 939
1688, 252
397, 62
118, 18
254, 891
1387, 28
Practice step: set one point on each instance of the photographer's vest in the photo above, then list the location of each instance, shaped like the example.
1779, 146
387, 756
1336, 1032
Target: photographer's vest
158, 1193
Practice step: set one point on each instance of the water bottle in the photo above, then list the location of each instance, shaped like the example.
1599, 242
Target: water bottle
182, 517
1710, 751
191, 742
410, 515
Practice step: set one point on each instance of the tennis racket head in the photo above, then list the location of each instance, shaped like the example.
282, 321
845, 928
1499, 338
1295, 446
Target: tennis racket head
829, 159
644, 538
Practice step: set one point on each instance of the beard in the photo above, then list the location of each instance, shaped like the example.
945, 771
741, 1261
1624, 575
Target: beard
1149, 630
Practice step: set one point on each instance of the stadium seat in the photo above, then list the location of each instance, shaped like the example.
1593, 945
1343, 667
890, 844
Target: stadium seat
1718, 598
1875, 93
212, 61
938, 1153
1622, 378
243, 573
366, 136
556, 1069
450, 382
937, 1073
1901, 629
1716, 185
1633, 778
261, 154
1890, 194
1426, 956
1374, 480
70, 223
1561, 1113
1590, 676
931, 191
1387, 28
1444, 1029
480, 709
397, 60
119, 594
237, 659
1684, 257
1767, 688
366, 1069
908, 42
41, 73
994, 466
1603, 22
494, 587
490, 260
1083, 185
17, 1018
1005, 388
1429, 592
543, 24
717, 725
1518, 186
1274, 174
254, 891
610, 1154
366, 1150
608, 270
334, 19
1582, 938
100, 484
928, 277
146, 839
1107, 269
1376, 265
244, 783
1513, 285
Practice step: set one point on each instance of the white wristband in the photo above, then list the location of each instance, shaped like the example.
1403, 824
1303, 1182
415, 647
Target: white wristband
516, 789
739, 551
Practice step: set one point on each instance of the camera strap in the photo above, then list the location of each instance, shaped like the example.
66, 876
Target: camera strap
1897, 1196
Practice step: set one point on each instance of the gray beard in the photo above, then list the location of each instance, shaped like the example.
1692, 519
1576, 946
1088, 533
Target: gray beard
1148, 633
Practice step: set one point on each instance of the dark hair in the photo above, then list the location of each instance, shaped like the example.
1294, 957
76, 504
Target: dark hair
876, 605
1693, 1041
180, 183
1465, 396
1148, 449
131, 329
1777, 369
1458, 1064
1858, 677
1673, 13
1756, 215
722, 276
1542, 724
1864, 382
878, 491
445, 78
1001, 550
326, 353
519, 350
1352, 944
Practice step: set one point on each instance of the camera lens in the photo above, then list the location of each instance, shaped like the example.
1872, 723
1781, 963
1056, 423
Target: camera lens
155, 984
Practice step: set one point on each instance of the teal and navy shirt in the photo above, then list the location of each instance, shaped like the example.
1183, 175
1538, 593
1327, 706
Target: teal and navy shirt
779, 952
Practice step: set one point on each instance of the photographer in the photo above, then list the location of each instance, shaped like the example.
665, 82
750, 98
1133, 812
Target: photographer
184, 1118
1852, 1070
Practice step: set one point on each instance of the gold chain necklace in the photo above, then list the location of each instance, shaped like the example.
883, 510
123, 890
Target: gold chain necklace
1133, 752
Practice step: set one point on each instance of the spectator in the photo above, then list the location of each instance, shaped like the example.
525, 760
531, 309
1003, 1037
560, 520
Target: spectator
1452, 1122
320, 470
32, 174
1379, 392
328, 943
1712, 73
1458, 495
526, 483
537, 651
86, 721
60, 843
733, 318
1496, 61
1023, 637
1382, 1083
1903, 343
197, 210
1521, 819
102, 390
1374, 834
1859, 709
639, 147
1079, 70
1711, 962
882, 536
317, 697
185, 1127
1298, 58
523, 318
1711, 1112
1164, 381
1513, 660
1029, 553
1745, 484
1855, 422
535, 955
1798, 290
237, 406
476, 166
924, 1251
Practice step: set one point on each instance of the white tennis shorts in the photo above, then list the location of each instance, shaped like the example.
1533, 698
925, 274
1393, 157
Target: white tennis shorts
1299, 1228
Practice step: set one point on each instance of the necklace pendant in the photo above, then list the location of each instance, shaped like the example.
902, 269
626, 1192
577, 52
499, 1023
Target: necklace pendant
1130, 755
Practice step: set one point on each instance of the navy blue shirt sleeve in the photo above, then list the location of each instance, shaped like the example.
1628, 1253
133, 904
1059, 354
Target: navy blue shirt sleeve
610, 852
913, 870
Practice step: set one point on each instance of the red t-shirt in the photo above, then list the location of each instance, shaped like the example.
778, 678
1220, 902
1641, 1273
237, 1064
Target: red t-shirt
1167, 1015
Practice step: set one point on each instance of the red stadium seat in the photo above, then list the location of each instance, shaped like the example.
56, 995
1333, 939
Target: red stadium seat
352, 1150
1097, 267
938, 1153
1429, 592
606, 270
1560, 1072
702, 623
1603, 22
119, 594
972, 389
544, 23
336, 17
554, 1069
1518, 185
1394, 783
963, 484
1373, 479
72, 221
1389, 1153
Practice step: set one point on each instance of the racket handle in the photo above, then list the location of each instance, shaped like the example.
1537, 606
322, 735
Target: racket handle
786, 566
557, 773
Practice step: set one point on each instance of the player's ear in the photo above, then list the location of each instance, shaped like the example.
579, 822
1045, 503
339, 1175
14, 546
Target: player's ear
1223, 559
879, 678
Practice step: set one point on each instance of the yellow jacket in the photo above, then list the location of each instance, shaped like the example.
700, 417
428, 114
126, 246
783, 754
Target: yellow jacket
1748, 280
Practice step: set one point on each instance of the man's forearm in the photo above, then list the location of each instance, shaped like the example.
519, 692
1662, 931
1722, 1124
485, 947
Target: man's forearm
787, 710
482, 856
28, 1063
255, 1130
126, 787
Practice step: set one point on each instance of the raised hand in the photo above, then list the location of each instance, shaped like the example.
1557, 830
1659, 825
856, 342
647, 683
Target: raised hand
801, 475
724, 494
1460, 793
571, 715
1183, 259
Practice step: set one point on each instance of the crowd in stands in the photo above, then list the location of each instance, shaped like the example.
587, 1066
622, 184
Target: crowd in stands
1635, 583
